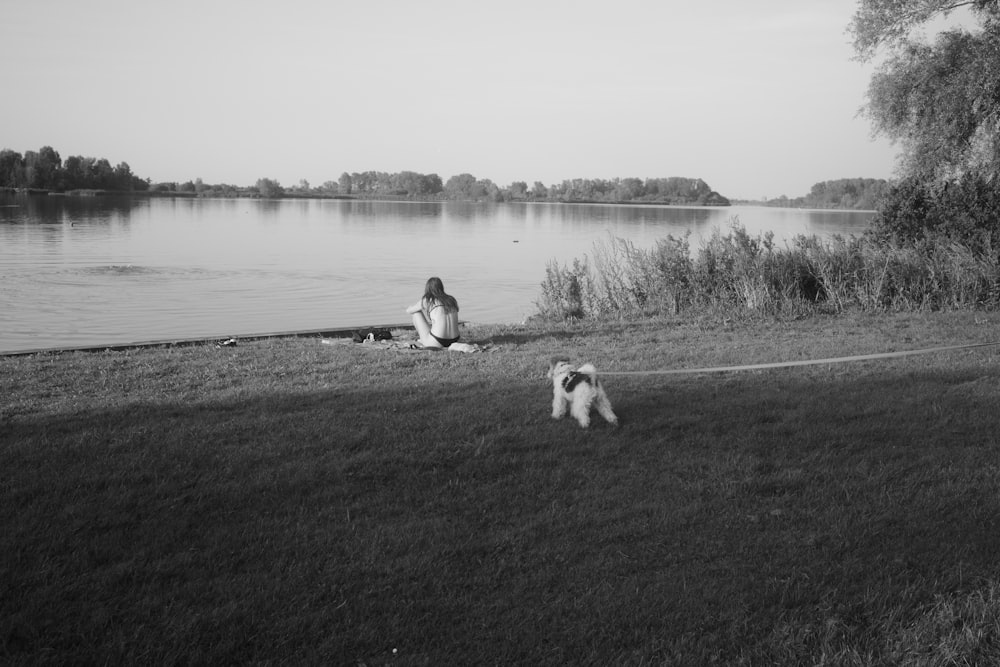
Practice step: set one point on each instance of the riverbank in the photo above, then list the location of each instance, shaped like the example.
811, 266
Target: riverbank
284, 500
314, 334
249, 193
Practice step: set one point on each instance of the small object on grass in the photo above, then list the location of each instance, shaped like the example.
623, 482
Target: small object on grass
371, 335
229, 342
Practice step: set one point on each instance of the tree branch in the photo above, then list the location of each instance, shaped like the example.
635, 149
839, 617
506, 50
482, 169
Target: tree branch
866, 42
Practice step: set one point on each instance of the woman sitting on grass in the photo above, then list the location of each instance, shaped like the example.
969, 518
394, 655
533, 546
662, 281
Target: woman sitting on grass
435, 316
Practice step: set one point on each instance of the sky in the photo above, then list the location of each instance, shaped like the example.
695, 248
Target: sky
759, 99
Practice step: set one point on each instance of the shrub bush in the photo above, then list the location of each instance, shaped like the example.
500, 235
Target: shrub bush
747, 276
967, 210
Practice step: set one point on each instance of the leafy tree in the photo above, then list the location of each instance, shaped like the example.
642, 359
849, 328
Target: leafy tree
489, 190
11, 169
74, 174
45, 167
964, 210
408, 182
364, 182
846, 193
461, 186
940, 100
431, 184
628, 189
88, 172
345, 183
102, 174
30, 170
123, 177
269, 188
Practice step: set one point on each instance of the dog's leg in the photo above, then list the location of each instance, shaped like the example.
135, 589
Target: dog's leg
603, 406
581, 411
558, 407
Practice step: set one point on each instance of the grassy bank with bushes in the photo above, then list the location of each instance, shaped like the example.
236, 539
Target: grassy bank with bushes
284, 501
735, 274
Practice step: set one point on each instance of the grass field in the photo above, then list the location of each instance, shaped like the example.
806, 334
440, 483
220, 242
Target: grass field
288, 502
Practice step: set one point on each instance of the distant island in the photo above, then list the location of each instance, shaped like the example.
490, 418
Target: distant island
853, 194
45, 172
466, 187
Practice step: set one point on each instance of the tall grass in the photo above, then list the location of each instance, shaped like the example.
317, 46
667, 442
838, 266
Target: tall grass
744, 276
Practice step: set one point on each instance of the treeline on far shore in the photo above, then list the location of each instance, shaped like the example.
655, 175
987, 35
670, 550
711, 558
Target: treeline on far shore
44, 171
858, 194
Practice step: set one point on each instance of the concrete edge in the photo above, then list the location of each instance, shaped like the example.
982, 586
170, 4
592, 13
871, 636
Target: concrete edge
185, 342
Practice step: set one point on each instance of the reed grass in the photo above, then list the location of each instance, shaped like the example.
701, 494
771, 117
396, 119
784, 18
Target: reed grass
747, 276
287, 502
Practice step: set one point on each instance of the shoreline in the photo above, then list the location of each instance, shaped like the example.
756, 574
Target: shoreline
86, 192
339, 332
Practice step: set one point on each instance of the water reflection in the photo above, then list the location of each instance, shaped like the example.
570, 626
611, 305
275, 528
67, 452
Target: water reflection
463, 211
270, 209
65, 209
518, 210
53, 223
382, 210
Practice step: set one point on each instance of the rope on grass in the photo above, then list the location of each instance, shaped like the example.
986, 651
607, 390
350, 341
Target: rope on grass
805, 362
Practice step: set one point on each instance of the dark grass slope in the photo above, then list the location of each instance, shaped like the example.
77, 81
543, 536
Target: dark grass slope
287, 502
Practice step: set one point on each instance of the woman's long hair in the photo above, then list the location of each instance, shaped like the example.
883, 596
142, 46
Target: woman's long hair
434, 294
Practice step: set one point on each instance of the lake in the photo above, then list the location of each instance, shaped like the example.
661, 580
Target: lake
81, 271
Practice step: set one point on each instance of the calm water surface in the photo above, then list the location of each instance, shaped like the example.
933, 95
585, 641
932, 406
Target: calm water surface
78, 271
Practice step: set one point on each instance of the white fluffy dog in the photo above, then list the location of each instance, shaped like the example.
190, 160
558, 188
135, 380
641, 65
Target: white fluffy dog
579, 390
